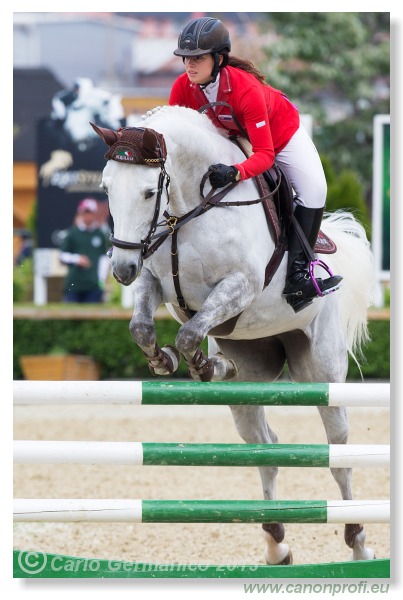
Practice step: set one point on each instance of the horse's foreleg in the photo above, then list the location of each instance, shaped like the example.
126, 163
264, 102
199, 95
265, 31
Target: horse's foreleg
228, 299
161, 361
336, 426
252, 426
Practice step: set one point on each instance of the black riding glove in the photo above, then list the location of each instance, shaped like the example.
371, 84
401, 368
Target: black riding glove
222, 175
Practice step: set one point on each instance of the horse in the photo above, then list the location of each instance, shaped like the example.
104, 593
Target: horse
211, 278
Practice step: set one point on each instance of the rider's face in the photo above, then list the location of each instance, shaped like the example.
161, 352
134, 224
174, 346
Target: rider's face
199, 68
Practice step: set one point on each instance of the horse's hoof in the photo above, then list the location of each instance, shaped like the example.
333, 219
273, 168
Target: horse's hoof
364, 554
224, 368
165, 362
174, 356
275, 552
205, 376
281, 556
288, 560
201, 367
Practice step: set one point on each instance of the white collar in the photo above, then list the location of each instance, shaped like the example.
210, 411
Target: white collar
211, 90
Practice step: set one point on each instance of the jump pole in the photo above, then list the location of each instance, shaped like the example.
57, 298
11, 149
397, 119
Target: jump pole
236, 455
201, 511
214, 393
28, 565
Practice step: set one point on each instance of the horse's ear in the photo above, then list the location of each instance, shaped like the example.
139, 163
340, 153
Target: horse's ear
150, 143
108, 135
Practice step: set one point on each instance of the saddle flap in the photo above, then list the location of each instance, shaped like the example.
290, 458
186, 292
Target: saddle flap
324, 245
278, 211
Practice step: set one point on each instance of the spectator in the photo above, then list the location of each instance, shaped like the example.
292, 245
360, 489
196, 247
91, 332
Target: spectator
83, 250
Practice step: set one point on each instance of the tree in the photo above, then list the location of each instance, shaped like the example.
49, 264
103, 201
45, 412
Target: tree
334, 66
344, 191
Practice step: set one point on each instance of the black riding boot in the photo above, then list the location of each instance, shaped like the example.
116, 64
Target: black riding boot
299, 289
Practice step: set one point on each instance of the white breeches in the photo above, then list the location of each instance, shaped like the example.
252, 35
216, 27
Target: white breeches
300, 160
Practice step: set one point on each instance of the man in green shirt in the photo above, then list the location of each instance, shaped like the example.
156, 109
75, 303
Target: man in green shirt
83, 250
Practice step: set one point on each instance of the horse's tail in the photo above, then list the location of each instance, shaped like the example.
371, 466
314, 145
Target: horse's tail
353, 260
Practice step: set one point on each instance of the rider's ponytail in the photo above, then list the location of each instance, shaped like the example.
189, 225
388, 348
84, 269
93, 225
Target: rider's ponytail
245, 65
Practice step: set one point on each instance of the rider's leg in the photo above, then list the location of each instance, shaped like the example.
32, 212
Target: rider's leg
299, 288
300, 160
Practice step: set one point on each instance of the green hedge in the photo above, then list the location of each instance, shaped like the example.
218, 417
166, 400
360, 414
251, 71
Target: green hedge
109, 342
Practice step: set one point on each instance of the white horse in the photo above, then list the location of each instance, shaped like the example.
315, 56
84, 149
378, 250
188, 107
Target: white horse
222, 255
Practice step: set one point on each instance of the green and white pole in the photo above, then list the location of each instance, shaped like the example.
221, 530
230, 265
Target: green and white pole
201, 511
218, 455
190, 392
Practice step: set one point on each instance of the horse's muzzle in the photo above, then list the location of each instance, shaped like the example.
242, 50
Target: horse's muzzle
127, 272
125, 280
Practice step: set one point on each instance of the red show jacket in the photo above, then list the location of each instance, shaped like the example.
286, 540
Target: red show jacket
266, 114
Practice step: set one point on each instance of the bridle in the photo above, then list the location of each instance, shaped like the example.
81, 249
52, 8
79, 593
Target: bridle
145, 245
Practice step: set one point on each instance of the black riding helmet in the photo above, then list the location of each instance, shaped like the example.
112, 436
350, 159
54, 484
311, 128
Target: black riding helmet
205, 36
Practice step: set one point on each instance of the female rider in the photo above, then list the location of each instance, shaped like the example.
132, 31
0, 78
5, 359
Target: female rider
274, 131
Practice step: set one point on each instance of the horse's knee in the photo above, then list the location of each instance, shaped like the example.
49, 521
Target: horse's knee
142, 332
187, 340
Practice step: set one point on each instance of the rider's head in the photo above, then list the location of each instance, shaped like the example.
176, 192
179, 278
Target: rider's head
205, 36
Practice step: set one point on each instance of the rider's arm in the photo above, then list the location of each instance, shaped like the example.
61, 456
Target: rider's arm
253, 110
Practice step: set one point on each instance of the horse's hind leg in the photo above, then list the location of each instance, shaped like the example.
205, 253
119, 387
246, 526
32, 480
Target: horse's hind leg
252, 426
336, 425
320, 355
224, 368
252, 359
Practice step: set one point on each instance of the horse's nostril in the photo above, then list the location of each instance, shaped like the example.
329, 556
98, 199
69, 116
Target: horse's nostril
133, 271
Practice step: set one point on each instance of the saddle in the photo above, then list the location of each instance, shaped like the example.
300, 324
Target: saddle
278, 209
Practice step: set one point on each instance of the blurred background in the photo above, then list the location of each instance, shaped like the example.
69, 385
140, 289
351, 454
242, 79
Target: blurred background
72, 68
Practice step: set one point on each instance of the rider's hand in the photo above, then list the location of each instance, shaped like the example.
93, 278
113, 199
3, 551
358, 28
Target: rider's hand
222, 175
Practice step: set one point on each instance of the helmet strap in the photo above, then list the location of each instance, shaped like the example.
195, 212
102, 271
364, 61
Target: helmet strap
216, 68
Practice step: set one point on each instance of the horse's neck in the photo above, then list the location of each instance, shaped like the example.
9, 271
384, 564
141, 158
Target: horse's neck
184, 195
187, 167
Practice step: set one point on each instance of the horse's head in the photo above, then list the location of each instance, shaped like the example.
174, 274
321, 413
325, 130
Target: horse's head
133, 179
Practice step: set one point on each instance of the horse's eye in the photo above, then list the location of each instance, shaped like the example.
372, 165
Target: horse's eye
149, 194
105, 188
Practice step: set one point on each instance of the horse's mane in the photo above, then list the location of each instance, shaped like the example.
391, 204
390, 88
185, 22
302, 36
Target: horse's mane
192, 133
178, 116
